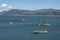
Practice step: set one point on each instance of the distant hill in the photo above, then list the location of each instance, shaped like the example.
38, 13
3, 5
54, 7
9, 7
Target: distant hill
32, 12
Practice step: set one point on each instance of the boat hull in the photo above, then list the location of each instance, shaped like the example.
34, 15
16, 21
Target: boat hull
45, 24
40, 32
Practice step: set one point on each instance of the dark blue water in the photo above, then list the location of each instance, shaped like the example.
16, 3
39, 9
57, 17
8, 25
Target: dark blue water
23, 30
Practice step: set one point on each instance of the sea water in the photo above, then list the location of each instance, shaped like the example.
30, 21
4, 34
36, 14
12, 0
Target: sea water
19, 30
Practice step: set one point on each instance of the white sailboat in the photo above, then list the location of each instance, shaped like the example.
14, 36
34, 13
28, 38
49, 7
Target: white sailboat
45, 23
39, 31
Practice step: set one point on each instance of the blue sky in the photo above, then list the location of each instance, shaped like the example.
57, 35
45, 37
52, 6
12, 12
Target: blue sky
31, 4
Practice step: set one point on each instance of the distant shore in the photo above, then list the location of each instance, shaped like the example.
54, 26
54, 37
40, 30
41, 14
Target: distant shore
40, 15
35, 15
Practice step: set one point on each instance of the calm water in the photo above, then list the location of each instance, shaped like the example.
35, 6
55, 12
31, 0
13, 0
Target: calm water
23, 30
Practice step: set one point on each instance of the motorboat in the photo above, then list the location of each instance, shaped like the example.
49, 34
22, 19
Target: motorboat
24, 20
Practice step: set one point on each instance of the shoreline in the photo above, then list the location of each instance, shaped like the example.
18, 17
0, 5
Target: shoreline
32, 15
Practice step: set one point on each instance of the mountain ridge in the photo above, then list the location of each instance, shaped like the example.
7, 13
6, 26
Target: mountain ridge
31, 12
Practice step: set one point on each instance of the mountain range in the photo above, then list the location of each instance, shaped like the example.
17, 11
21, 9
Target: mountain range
31, 12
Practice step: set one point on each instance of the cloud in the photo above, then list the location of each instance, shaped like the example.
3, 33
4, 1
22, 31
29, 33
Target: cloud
6, 6
10, 6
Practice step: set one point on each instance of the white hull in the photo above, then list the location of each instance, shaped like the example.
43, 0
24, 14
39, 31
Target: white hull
40, 32
46, 24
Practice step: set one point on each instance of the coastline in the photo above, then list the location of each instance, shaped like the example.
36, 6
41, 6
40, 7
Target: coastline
32, 15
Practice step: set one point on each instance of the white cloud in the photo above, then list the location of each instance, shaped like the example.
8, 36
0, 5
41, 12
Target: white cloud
10, 7
5, 6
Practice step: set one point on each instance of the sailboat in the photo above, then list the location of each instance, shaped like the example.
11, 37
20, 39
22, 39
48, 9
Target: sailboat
39, 31
45, 23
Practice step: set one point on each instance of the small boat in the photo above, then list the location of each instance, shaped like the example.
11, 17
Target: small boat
45, 24
11, 23
40, 31
24, 20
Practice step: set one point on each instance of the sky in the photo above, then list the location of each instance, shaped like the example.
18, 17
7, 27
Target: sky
29, 4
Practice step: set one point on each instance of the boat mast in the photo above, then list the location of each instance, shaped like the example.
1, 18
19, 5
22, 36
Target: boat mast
38, 22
